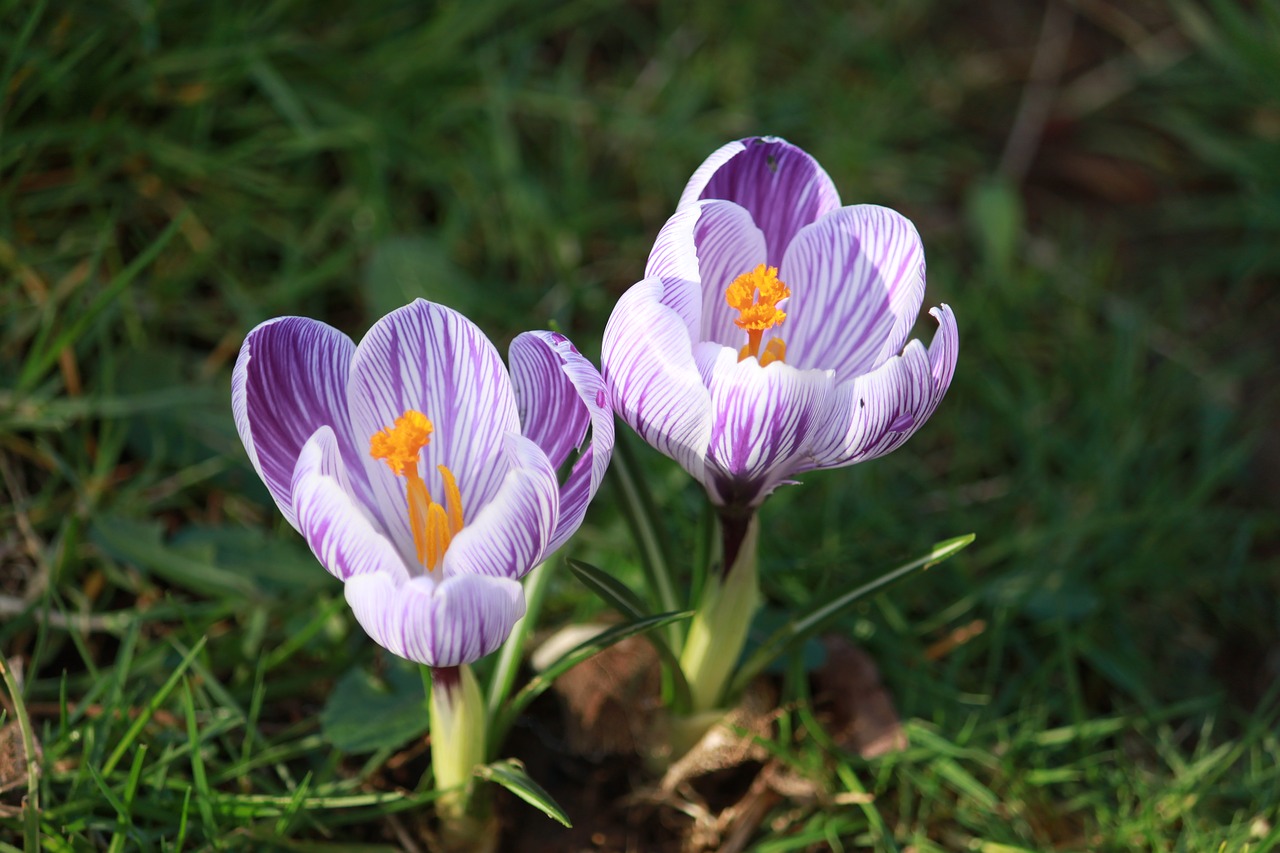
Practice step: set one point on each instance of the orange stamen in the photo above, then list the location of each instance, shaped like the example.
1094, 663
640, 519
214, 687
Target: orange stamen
433, 526
756, 295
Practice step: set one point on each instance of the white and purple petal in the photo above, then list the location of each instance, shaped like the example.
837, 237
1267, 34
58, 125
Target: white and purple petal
559, 393
552, 412
711, 243
845, 272
876, 413
673, 261
289, 380
648, 365
332, 520
431, 359
441, 623
509, 534
765, 419
780, 185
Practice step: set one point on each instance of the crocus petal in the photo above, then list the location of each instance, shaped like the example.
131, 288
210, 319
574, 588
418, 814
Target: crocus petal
647, 360
552, 411
674, 262
876, 413
780, 185
446, 623
710, 243
765, 419
509, 535
330, 519
847, 272
289, 380
558, 393
431, 359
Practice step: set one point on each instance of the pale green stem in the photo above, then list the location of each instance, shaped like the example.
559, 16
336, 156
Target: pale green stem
719, 627
457, 748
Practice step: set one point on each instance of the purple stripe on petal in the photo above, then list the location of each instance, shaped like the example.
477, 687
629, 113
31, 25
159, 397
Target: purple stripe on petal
876, 413
552, 414
509, 535
944, 350
431, 359
703, 174
674, 260
447, 623
845, 272
331, 520
782, 187
573, 375
648, 365
766, 418
711, 243
289, 380
903, 270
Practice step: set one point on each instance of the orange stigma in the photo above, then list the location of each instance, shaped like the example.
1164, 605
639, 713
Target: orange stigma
433, 525
756, 295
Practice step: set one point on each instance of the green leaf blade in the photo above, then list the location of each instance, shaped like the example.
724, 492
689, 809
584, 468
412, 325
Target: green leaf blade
799, 629
511, 775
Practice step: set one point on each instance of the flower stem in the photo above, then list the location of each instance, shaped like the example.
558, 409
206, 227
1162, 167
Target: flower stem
719, 627
457, 747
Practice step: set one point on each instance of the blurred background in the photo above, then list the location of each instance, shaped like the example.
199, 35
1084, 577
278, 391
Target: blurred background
1097, 183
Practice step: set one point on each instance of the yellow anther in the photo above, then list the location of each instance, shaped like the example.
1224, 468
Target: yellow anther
755, 295
452, 499
774, 350
433, 526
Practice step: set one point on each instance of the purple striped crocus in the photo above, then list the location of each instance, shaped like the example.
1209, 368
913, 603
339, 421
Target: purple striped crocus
419, 470
767, 338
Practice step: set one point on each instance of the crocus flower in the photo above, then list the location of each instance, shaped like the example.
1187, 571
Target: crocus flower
767, 338
419, 471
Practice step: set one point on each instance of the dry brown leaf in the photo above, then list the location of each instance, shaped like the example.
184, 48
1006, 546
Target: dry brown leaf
609, 699
860, 713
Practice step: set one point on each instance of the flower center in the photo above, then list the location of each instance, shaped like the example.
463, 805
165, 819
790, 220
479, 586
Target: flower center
433, 526
756, 295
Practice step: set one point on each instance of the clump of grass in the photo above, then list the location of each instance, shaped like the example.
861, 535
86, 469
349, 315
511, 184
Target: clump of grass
170, 176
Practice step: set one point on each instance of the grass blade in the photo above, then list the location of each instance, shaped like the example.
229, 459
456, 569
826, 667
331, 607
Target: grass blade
31, 813
152, 706
41, 361
616, 594
504, 673
798, 629
539, 683
638, 509
511, 775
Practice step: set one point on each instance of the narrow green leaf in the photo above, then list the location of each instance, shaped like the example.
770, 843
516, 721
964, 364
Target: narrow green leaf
31, 812
107, 794
299, 639
40, 362
616, 594
540, 682
798, 629
152, 706
142, 544
204, 794
512, 652
291, 811
183, 816
511, 775
612, 591
642, 518
125, 822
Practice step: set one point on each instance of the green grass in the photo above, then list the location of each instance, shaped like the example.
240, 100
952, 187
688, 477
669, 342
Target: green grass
172, 174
